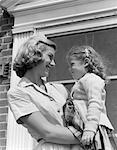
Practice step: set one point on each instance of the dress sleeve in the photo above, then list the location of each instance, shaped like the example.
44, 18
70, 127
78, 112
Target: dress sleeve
20, 104
94, 88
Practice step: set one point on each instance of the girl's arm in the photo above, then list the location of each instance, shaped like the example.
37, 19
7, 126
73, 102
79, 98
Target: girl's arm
49, 132
94, 88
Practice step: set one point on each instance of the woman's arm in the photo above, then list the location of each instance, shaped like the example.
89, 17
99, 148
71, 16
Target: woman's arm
27, 112
49, 132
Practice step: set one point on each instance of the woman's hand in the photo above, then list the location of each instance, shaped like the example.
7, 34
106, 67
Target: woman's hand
87, 137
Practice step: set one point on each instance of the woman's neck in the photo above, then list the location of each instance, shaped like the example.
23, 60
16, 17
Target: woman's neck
34, 78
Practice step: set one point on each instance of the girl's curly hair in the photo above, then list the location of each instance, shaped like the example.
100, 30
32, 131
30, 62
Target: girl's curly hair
95, 62
30, 54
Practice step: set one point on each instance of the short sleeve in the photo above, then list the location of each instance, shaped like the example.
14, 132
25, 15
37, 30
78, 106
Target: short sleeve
20, 103
94, 88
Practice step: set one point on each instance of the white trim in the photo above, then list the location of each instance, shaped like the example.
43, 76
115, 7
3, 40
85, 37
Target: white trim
83, 26
9, 3
114, 77
70, 24
37, 4
44, 3
69, 19
17, 136
67, 16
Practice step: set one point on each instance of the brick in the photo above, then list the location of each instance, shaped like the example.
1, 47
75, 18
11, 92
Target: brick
1, 60
4, 46
8, 39
2, 134
0, 49
4, 59
0, 40
6, 81
2, 34
4, 110
3, 103
3, 95
3, 148
4, 87
3, 118
2, 142
9, 33
3, 126
0, 11
3, 21
6, 23
6, 27
6, 52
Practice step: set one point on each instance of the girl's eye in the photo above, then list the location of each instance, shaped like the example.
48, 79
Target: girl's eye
72, 64
51, 57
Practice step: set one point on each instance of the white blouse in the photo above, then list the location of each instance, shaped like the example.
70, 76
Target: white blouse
27, 98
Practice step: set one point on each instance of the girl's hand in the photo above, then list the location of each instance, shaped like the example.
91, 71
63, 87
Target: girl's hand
87, 137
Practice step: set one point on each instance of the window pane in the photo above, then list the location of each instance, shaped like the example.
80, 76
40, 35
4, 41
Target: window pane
111, 102
103, 41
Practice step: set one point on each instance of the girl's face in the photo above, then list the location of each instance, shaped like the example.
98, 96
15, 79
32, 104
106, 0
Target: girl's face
47, 62
77, 68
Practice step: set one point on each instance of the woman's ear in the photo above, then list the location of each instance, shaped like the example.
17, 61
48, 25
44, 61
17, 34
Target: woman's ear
86, 62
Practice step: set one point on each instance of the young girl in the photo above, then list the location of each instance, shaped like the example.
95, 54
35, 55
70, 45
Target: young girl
88, 95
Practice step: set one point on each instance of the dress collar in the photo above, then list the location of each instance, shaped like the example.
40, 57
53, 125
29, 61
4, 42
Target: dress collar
24, 82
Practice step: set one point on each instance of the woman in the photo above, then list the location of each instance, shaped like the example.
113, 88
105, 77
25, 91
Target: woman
37, 105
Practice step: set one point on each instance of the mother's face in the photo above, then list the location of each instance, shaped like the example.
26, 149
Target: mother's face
48, 61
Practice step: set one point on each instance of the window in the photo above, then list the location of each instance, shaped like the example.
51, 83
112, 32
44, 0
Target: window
105, 42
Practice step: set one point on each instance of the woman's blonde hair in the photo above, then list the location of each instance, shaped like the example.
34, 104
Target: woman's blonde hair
30, 54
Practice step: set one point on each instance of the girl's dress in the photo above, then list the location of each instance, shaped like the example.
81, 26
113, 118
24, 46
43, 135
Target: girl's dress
88, 94
27, 98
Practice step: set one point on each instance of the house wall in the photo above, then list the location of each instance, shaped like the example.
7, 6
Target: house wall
6, 42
